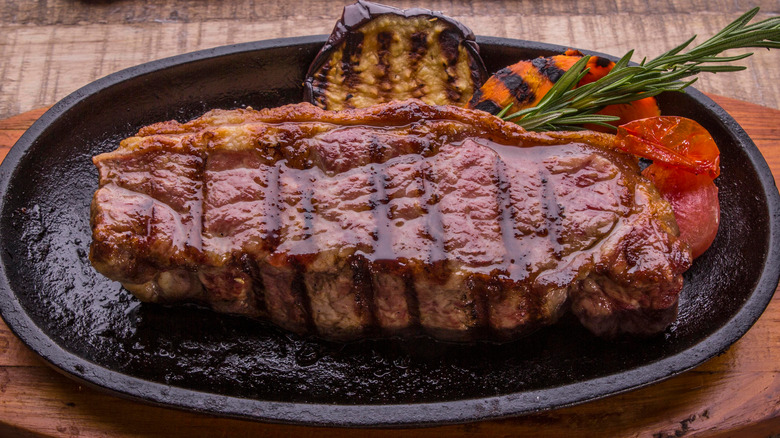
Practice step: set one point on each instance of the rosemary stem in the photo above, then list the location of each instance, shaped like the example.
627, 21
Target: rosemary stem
567, 106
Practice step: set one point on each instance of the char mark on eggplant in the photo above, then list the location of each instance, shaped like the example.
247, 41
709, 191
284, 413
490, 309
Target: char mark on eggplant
378, 53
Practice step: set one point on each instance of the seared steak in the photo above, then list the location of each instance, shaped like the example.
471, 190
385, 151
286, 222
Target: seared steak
393, 219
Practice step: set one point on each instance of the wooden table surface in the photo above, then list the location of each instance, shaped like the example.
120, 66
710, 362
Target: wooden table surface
50, 48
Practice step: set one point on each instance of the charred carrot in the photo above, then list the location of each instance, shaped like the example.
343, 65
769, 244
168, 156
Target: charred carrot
524, 84
571, 104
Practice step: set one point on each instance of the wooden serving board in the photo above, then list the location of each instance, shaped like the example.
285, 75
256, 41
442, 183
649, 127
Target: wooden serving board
736, 394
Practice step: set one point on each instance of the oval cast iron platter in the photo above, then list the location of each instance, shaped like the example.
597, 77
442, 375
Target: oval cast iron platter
90, 329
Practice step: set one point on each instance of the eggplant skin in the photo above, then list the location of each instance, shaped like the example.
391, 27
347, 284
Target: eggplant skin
379, 53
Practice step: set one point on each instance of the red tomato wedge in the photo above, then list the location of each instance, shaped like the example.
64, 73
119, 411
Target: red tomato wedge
686, 160
674, 141
694, 200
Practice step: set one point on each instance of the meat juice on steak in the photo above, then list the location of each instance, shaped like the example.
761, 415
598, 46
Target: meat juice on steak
396, 219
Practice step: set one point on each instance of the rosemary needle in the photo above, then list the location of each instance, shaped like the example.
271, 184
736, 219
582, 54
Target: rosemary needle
568, 107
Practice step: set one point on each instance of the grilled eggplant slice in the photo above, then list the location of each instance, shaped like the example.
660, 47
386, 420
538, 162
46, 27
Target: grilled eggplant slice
378, 54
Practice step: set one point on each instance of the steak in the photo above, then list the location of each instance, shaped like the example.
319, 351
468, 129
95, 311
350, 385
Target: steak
396, 219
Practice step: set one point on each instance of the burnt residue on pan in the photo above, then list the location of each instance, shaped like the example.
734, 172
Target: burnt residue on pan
91, 329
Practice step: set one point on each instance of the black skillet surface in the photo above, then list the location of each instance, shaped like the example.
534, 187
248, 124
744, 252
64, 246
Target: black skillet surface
92, 330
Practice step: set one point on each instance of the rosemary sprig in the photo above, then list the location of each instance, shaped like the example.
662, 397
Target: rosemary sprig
568, 107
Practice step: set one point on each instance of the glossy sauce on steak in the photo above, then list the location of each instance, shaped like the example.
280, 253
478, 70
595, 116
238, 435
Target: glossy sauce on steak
395, 219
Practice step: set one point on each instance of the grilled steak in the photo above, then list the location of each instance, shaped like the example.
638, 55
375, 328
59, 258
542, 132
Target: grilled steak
393, 219
378, 53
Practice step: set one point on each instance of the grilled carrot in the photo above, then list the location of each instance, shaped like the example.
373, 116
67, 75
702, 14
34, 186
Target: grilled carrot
525, 83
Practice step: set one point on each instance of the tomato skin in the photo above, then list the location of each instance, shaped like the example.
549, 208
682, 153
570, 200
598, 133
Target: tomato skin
686, 160
694, 200
673, 141
628, 112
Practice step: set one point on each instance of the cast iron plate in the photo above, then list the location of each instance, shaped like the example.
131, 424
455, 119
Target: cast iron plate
92, 330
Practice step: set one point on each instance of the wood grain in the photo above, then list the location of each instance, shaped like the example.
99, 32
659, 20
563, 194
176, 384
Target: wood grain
736, 394
50, 48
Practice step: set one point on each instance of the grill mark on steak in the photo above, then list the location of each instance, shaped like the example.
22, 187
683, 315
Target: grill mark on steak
506, 304
285, 298
240, 221
433, 231
288, 301
508, 218
388, 305
463, 184
240, 213
229, 277
392, 311
403, 237
471, 213
552, 214
431, 273
364, 292
250, 266
352, 223
343, 225
526, 195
